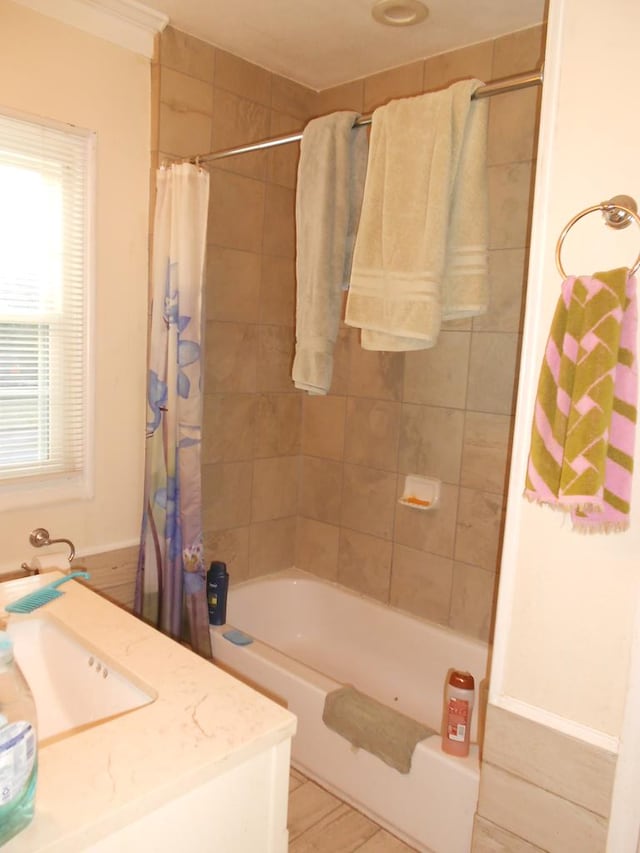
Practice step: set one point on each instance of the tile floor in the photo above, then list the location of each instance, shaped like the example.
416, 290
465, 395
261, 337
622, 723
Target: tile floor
321, 823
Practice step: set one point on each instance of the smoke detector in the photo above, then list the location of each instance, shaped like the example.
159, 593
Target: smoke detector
399, 13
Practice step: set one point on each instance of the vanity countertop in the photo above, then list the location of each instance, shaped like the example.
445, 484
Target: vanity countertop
203, 723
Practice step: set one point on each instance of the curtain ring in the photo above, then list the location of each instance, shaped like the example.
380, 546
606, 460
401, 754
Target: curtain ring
607, 207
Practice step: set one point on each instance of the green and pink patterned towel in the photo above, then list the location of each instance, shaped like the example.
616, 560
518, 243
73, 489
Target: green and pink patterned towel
582, 438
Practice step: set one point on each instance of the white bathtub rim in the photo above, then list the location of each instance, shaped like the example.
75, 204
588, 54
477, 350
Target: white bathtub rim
296, 574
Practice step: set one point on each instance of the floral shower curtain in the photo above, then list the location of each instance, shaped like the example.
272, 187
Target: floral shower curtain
171, 576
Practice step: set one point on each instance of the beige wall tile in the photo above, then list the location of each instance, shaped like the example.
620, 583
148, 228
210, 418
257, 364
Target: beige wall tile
230, 357
566, 766
421, 583
493, 372
187, 54
438, 376
431, 442
368, 500
372, 433
232, 547
401, 82
323, 426
275, 357
282, 160
518, 52
507, 277
546, 820
229, 426
291, 98
236, 211
472, 601
342, 361
510, 188
182, 133
473, 61
275, 488
239, 121
428, 530
364, 564
374, 374
279, 222
278, 291
479, 528
226, 495
349, 96
279, 425
487, 440
320, 490
317, 548
185, 94
112, 573
513, 126
183, 114
489, 838
232, 285
242, 78
272, 546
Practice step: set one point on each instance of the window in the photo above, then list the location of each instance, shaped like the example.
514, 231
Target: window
45, 178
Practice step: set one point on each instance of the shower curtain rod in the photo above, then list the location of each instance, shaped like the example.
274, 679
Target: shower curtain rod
496, 87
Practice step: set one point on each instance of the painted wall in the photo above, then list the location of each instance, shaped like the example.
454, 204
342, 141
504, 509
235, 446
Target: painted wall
567, 602
52, 70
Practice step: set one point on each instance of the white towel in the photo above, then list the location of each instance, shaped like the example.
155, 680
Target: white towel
421, 250
333, 162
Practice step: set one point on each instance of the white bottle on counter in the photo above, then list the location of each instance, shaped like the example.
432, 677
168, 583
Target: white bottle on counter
18, 745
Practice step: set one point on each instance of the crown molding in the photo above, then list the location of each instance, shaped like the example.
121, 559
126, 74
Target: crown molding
126, 23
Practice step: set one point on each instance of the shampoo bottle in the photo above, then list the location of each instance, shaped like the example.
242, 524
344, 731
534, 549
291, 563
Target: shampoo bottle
18, 745
458, 708
217, 587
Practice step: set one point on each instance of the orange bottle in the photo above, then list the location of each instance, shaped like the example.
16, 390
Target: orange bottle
458, 709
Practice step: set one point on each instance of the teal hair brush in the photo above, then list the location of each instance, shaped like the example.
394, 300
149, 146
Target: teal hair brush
43, 595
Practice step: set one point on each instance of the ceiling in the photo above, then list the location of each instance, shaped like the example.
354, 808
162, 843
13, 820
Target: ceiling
321, 43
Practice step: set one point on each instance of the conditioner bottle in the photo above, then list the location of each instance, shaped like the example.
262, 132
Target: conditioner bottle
458, 708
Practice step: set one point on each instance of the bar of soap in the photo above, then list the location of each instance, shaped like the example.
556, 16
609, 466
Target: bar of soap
238, 638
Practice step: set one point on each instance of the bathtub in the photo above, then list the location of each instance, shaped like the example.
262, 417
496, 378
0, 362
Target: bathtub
310, 637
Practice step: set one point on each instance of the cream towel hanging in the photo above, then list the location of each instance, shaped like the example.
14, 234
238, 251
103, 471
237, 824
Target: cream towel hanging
421, 249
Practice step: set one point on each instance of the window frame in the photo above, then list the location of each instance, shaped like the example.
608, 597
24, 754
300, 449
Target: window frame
38, 489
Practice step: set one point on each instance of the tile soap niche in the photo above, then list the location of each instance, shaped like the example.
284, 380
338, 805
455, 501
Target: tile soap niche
421, 492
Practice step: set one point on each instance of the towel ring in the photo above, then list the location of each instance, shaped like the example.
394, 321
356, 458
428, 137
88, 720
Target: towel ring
611, 212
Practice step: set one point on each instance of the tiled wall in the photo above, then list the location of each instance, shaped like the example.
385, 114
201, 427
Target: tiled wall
445, 412
540, 790
315, 480
112, 573
209, 100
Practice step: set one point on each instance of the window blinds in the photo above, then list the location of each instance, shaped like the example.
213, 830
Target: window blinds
44, 183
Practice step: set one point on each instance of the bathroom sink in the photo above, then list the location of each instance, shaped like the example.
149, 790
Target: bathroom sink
73, 686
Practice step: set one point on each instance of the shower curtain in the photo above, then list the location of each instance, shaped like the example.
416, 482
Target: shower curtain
171, 577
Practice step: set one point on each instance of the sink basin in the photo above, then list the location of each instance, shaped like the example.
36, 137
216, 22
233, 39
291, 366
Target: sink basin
73, 686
